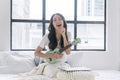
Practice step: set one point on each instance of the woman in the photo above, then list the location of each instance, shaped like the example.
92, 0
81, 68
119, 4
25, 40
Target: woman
57, 37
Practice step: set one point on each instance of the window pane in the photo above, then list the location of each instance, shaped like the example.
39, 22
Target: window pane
46, 28
65, 7
26, 35
92, 36
91, 10
70, 28
27, 9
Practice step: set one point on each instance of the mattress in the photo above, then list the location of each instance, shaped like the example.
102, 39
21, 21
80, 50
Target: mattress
99, 75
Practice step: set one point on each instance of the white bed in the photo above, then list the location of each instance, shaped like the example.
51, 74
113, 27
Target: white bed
13, 63
99, 75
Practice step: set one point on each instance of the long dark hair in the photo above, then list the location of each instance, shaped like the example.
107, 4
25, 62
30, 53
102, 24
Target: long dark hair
52, 33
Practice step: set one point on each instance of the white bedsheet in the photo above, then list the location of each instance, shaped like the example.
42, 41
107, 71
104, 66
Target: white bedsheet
99, 75
107, 75
21, 77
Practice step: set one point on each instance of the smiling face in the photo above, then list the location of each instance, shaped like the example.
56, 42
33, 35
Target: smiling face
58, 22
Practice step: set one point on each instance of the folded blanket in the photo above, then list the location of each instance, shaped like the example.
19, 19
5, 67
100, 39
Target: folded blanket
75, 75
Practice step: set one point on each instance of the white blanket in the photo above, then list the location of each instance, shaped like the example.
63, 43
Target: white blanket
60, 75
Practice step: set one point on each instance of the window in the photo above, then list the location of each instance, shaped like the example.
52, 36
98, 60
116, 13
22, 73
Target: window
86, 19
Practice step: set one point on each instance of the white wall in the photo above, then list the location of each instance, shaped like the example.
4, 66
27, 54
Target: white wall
4, 25
119, 33
97, 60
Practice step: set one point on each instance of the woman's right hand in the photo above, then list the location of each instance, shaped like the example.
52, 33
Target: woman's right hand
56, 55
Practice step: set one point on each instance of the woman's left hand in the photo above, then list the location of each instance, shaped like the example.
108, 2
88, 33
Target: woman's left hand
63, 31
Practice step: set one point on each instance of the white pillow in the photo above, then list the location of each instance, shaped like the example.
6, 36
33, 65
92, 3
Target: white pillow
3, 56
11, 62
75, 58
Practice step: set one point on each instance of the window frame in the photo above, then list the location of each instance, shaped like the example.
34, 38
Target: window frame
44, 21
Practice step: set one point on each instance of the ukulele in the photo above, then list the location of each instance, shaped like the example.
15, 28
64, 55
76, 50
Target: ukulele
53, 60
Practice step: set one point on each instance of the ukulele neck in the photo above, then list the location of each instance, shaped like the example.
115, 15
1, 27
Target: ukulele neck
66, 47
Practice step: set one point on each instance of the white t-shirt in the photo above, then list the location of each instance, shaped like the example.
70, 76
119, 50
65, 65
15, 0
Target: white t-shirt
45, 42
